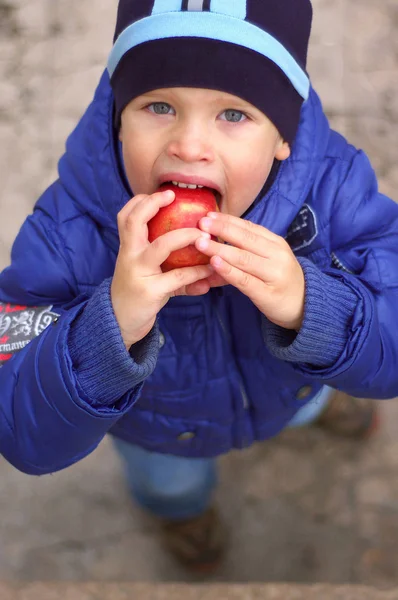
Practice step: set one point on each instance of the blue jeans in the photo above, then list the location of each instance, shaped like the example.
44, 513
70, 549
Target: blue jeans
175, 487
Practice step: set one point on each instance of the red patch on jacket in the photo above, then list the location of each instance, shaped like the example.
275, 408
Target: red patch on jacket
19, 325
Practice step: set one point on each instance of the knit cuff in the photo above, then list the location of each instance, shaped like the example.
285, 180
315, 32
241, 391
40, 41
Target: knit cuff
104, 369
329, 307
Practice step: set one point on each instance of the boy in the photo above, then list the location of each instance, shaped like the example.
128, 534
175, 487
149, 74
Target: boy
184, 366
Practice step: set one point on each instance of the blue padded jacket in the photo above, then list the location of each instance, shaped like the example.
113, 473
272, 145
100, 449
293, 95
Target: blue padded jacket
214, 374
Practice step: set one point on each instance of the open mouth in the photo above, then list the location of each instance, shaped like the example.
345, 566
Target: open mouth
194, 186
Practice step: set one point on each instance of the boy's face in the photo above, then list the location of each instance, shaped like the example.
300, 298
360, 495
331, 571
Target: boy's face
200, 136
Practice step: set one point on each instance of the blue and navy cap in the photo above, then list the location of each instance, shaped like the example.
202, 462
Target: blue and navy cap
254, 49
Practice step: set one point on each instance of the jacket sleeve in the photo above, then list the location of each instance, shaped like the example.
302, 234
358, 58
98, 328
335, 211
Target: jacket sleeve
47, 421
349, 338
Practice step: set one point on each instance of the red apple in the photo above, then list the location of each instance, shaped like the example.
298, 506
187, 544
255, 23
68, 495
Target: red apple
187, 209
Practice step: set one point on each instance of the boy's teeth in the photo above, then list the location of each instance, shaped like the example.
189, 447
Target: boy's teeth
191, 186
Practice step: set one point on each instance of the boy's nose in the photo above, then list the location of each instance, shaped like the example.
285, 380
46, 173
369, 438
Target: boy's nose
191, 145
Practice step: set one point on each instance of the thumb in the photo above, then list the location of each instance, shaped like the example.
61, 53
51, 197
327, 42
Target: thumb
215, 280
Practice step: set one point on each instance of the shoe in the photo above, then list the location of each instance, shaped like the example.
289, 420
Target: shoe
199, 544
349, 417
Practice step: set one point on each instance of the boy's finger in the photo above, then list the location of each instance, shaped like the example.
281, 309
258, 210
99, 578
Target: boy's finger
173, 281
257, 265
219, 216
238, 232
215, 280
199, 288
135, 203
244, 282
134, 216
177, 239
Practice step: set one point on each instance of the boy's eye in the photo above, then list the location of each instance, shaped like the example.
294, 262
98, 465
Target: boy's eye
234, 116
160, 108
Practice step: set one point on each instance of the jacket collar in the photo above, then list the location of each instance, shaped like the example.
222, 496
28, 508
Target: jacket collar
279, 206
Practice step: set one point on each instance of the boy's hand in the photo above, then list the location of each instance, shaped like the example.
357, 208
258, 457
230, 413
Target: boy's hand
139, 288
260, 264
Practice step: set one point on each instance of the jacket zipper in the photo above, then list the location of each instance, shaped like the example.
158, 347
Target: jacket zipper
337, 263
245, 397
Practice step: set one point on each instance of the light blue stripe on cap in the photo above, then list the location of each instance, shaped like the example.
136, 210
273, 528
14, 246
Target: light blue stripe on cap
233, 8
164, 6
212, 26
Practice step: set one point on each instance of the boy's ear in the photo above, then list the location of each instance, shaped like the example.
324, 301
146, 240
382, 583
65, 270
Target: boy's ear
282, 150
